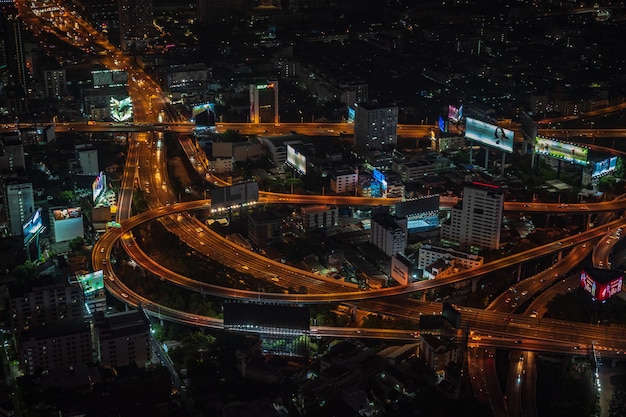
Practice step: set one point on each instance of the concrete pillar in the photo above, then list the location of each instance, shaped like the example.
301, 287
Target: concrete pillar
475, 283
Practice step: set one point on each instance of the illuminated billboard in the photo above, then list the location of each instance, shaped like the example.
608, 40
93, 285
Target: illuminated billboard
33, 226
561, 150
604, 167
66, 213
91, 282
490, 135
454, 114
380, 178
442, 124
203, 114
66, 223
602, 284
296, 159
121, 110
98, 186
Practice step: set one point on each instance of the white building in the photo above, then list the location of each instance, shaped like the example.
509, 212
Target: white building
375, 125
221, 165
429, 254
344, 181
87, 159
477, 223
389, 234
315, 217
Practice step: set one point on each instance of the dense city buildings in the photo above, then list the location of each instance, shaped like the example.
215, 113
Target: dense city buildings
223, 246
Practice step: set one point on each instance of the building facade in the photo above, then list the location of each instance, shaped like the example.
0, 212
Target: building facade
375, 126
42, 305
389, 234
344, 181
123, 338
315, 217
19, 200
61, 344
477, 223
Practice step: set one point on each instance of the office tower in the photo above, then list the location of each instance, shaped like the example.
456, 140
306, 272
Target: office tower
477, 223
54, 83
20, 204
12, 30
135, 17
375, 125
122, 338
264, 103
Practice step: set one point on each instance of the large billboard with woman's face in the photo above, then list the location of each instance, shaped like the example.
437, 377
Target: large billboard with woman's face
490, 135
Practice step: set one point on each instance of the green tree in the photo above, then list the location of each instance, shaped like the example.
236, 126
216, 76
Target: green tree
76, 244
25, 272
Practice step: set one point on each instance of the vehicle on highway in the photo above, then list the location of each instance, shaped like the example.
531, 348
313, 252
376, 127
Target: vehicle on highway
524, 292
124, 295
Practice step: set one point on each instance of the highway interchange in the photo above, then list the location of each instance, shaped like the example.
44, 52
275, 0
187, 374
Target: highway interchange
495, 327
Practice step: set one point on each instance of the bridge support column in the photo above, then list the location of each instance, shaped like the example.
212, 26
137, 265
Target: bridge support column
475, 284
519, 272
559, 256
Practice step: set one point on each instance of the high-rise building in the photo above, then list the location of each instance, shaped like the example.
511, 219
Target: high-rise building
12, 158
11, 26
87, 159
478, 222
375, 125
61, 344
19, 201
123, 338
135, 17
54, 83
43, 304
264, 103
389, 233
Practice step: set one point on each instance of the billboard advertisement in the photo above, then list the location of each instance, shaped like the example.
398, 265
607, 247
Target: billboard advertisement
66, 213
121, 110
296, 159
454, 114
109, 78
379, 177
601, 290
490, 135
98, 186
91, 282
565, 151
203, 114
33, 226
67, 223
604, 167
